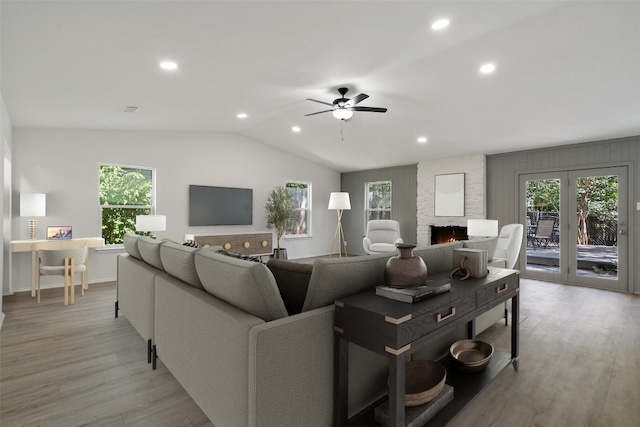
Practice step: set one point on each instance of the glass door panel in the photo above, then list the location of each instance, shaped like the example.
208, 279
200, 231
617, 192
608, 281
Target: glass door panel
543, 196
598, 253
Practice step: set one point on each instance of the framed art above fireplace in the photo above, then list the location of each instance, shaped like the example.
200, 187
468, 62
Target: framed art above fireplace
449, 195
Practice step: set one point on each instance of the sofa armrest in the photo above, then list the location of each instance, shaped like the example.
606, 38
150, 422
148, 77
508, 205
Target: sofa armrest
203, 341
291, 371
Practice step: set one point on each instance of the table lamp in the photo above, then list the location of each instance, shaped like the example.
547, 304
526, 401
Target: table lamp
482, 227
339, 201
151, 223
33, 205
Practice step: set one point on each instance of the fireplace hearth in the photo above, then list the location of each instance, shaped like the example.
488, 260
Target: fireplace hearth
446, 234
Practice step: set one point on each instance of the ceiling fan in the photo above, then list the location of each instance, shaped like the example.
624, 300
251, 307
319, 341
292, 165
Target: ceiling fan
343, 108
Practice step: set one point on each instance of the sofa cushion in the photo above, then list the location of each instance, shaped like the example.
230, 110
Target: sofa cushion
179, 261
334, 278
130, 242
292, 279
488, 245
247, 285
439, 257
150, 250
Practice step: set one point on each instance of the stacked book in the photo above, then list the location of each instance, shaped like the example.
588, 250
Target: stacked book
414, 294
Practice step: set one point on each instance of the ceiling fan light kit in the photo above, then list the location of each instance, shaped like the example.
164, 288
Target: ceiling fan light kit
342, 114
343, 108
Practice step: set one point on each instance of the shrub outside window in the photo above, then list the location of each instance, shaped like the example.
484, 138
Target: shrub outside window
301, 192
125, 192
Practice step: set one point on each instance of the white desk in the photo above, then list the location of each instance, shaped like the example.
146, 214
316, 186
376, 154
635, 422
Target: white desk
34, 245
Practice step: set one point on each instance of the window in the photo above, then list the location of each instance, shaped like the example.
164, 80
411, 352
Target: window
378, 200
124, 193
301, 192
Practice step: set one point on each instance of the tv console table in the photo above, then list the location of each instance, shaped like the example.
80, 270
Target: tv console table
244, 243
395, 329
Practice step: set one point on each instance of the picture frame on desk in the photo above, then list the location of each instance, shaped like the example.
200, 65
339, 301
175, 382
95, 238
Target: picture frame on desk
59, 232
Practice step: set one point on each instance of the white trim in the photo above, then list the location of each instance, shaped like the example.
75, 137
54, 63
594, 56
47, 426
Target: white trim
1, 319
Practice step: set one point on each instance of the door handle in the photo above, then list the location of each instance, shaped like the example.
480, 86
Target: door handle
621, 232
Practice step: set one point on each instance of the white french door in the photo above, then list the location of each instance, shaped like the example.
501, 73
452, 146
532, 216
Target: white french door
588, 245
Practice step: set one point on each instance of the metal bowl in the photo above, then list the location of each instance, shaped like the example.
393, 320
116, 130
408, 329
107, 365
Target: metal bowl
424, 380
470, 355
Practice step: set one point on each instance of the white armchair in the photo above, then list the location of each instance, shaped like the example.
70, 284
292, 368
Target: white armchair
508, 246
382, 236
505, 256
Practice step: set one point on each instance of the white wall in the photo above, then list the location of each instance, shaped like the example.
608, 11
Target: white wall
5, 200
474, 168
64, 164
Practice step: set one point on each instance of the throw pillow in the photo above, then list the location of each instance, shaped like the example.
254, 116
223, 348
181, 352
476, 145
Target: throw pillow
238, 256
292, 279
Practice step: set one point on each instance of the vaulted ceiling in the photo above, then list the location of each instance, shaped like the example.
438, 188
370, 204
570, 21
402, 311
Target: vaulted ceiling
566, 72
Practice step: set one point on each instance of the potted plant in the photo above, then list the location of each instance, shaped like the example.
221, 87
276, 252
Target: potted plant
281, 216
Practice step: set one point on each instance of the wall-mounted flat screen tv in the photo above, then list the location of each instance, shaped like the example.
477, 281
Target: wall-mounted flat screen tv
220, 205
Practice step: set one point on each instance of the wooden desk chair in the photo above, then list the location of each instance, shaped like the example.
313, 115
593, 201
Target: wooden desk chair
65, 263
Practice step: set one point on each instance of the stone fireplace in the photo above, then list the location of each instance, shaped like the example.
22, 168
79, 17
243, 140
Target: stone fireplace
448, 233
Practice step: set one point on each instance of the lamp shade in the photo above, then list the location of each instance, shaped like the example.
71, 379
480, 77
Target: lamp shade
151, 222
339, 200
33, 204
482, 227
342, 114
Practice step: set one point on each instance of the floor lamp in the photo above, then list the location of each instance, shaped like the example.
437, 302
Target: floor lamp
339, 202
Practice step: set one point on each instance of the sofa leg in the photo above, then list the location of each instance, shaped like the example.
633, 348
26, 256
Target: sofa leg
506, 317
116, 309
155, 358
149, 350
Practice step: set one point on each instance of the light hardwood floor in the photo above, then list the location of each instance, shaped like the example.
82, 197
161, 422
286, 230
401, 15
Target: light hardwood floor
78, 365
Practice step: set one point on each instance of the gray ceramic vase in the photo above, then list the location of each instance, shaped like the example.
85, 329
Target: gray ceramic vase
405, 270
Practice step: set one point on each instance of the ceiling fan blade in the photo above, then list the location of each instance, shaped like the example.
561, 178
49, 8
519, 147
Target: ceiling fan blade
313, 114
356, 99
370, 109
320, 102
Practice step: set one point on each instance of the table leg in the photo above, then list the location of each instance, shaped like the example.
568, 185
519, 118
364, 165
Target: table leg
66, 281
396, 390
340, 380
515, 331
471, 329
33, 272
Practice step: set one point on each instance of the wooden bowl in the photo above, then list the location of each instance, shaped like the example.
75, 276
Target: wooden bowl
470, 355
424, 380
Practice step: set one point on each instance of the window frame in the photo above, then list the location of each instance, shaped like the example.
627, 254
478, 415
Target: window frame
151, 207
309, 209
366, 200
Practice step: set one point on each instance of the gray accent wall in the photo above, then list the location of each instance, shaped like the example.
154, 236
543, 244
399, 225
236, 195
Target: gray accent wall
504, 170
404, 185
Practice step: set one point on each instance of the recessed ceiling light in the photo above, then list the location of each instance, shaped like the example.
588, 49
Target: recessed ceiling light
242, 115
168, 65
440, 24
422, 139
487, 68
295, 129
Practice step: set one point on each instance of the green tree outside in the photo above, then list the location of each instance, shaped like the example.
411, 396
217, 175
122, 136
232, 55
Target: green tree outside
124, 194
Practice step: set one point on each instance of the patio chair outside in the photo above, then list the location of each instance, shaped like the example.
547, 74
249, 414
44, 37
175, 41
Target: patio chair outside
544, 233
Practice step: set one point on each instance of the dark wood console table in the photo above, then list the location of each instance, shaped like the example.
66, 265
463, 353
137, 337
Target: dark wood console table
395, 329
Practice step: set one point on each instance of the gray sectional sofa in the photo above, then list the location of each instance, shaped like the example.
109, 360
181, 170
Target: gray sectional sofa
222, 328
